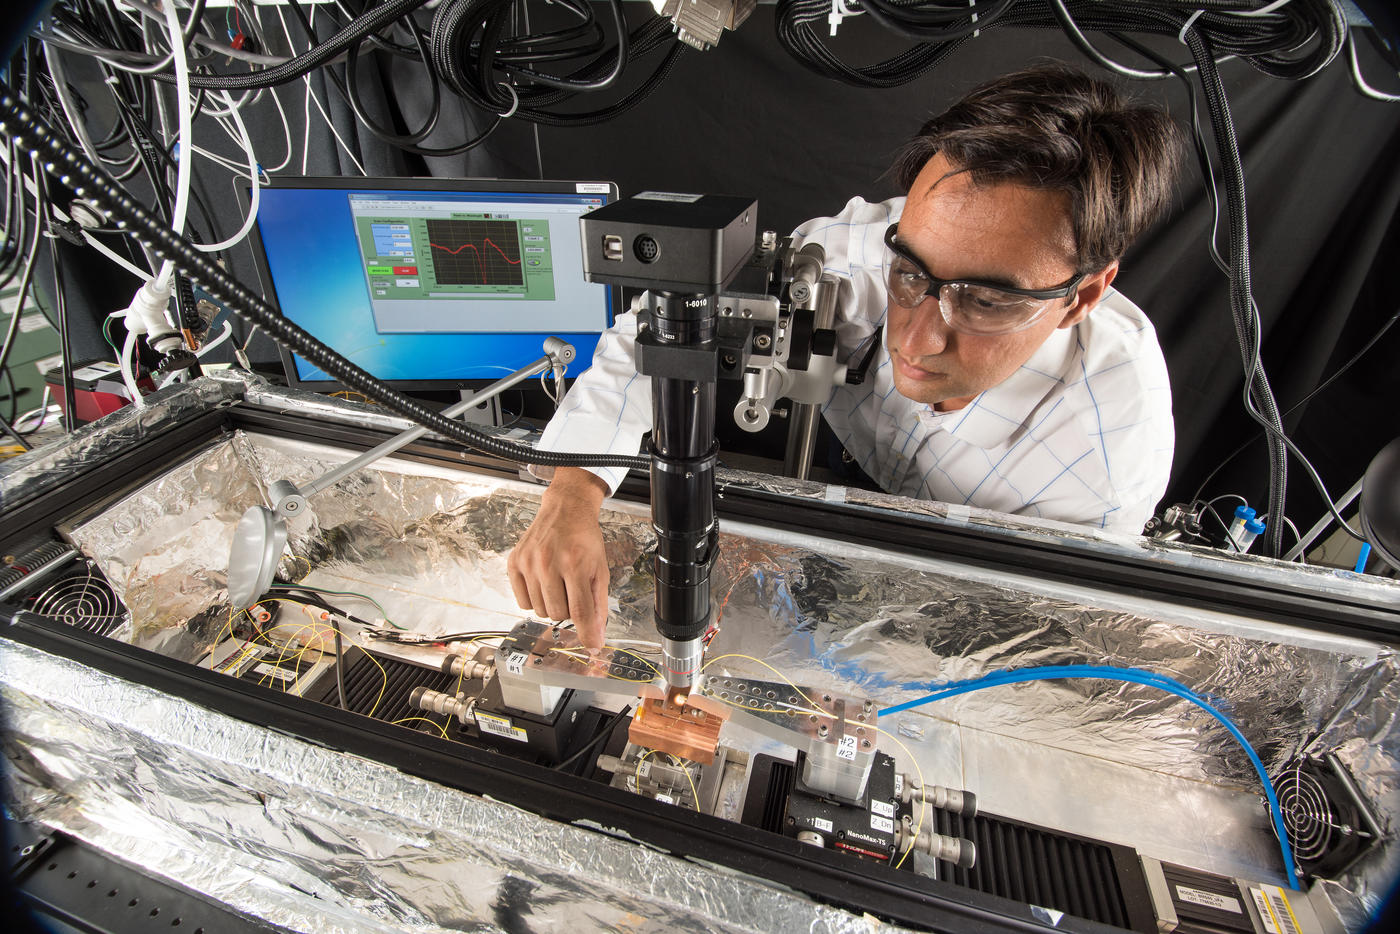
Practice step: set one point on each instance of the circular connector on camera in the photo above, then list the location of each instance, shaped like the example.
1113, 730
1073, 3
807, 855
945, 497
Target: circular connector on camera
646, 248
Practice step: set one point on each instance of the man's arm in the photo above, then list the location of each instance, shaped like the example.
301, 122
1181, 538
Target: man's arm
559, 567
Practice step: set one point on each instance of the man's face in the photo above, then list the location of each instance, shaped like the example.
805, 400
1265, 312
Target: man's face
1002, 233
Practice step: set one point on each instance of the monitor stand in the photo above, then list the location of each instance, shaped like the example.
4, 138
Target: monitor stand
486, 413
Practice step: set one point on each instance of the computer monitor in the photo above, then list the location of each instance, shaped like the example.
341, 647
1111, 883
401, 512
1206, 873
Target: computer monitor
430, 284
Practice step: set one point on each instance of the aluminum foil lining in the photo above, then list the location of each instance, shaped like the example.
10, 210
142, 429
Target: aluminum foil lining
429, 545
318, 841
26, 476
1174, 554
259, 391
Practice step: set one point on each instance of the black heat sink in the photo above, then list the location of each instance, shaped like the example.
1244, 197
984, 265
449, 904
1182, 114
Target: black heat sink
1076, 875
384, 694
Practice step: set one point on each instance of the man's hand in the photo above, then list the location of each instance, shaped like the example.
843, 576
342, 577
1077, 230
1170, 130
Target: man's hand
558, 568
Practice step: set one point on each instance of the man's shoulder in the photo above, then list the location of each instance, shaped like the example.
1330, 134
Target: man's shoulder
1118, 331
858, 213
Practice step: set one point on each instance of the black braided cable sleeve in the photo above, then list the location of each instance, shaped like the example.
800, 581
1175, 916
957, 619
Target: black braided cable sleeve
1240, 292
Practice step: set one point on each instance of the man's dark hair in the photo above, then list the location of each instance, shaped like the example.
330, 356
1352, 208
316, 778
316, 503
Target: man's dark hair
1054, 128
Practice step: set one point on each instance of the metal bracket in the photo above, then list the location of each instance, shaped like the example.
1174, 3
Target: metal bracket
837, 732
536, 663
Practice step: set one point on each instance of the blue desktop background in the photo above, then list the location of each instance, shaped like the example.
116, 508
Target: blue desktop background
308, 238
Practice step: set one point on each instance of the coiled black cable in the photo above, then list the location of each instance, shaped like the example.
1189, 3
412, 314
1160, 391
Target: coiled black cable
795, 19
356, 30
477, 58
1293, 42
349, 91
933, 22
73, 169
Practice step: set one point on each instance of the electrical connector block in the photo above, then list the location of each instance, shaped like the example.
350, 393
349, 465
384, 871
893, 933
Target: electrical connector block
699, 23
536, 663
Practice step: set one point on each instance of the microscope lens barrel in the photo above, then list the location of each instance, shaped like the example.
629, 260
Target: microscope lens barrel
682, 658
683, 455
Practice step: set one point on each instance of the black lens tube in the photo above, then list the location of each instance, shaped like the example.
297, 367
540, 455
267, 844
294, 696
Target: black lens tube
683, 453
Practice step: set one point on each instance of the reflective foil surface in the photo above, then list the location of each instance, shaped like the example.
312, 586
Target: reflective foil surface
225, 806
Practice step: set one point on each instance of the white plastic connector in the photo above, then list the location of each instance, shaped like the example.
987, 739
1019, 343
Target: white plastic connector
146, 313
839, 11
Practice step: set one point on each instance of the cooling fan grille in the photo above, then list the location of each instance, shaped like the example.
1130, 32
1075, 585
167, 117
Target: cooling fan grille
1329, 825
84, 600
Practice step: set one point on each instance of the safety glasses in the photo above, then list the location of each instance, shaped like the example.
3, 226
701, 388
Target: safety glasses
968, 306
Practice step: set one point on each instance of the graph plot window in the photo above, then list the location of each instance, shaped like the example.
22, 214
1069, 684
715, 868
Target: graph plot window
466, 252
459, 264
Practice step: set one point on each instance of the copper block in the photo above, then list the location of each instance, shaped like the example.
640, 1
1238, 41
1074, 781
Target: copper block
682, 726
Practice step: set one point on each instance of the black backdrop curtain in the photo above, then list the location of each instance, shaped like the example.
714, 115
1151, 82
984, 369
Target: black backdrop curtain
745, 118
1322, 170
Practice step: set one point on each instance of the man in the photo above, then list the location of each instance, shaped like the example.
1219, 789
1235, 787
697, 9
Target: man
1013, 377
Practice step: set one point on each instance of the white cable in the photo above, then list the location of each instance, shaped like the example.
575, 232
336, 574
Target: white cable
253, 176
225, 335
45, 409
249, 96
544, 385
1356, 77
186, 134
1296, 535
514, 99
334, 132
306, 101
286, 133
313, 99
1186, 26
1263, 10
306, 129
116, 257
224, 161
1323, 523
125, 361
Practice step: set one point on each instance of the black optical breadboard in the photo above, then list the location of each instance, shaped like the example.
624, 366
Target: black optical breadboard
66, 885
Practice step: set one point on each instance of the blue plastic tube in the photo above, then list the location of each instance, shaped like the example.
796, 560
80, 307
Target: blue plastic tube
1131, 676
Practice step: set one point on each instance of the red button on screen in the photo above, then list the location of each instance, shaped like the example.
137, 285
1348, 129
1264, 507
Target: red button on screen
405, 270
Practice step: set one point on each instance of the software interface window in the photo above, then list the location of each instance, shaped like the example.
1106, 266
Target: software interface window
451, 263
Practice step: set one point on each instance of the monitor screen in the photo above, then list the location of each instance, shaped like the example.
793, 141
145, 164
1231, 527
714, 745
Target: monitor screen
430, 283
